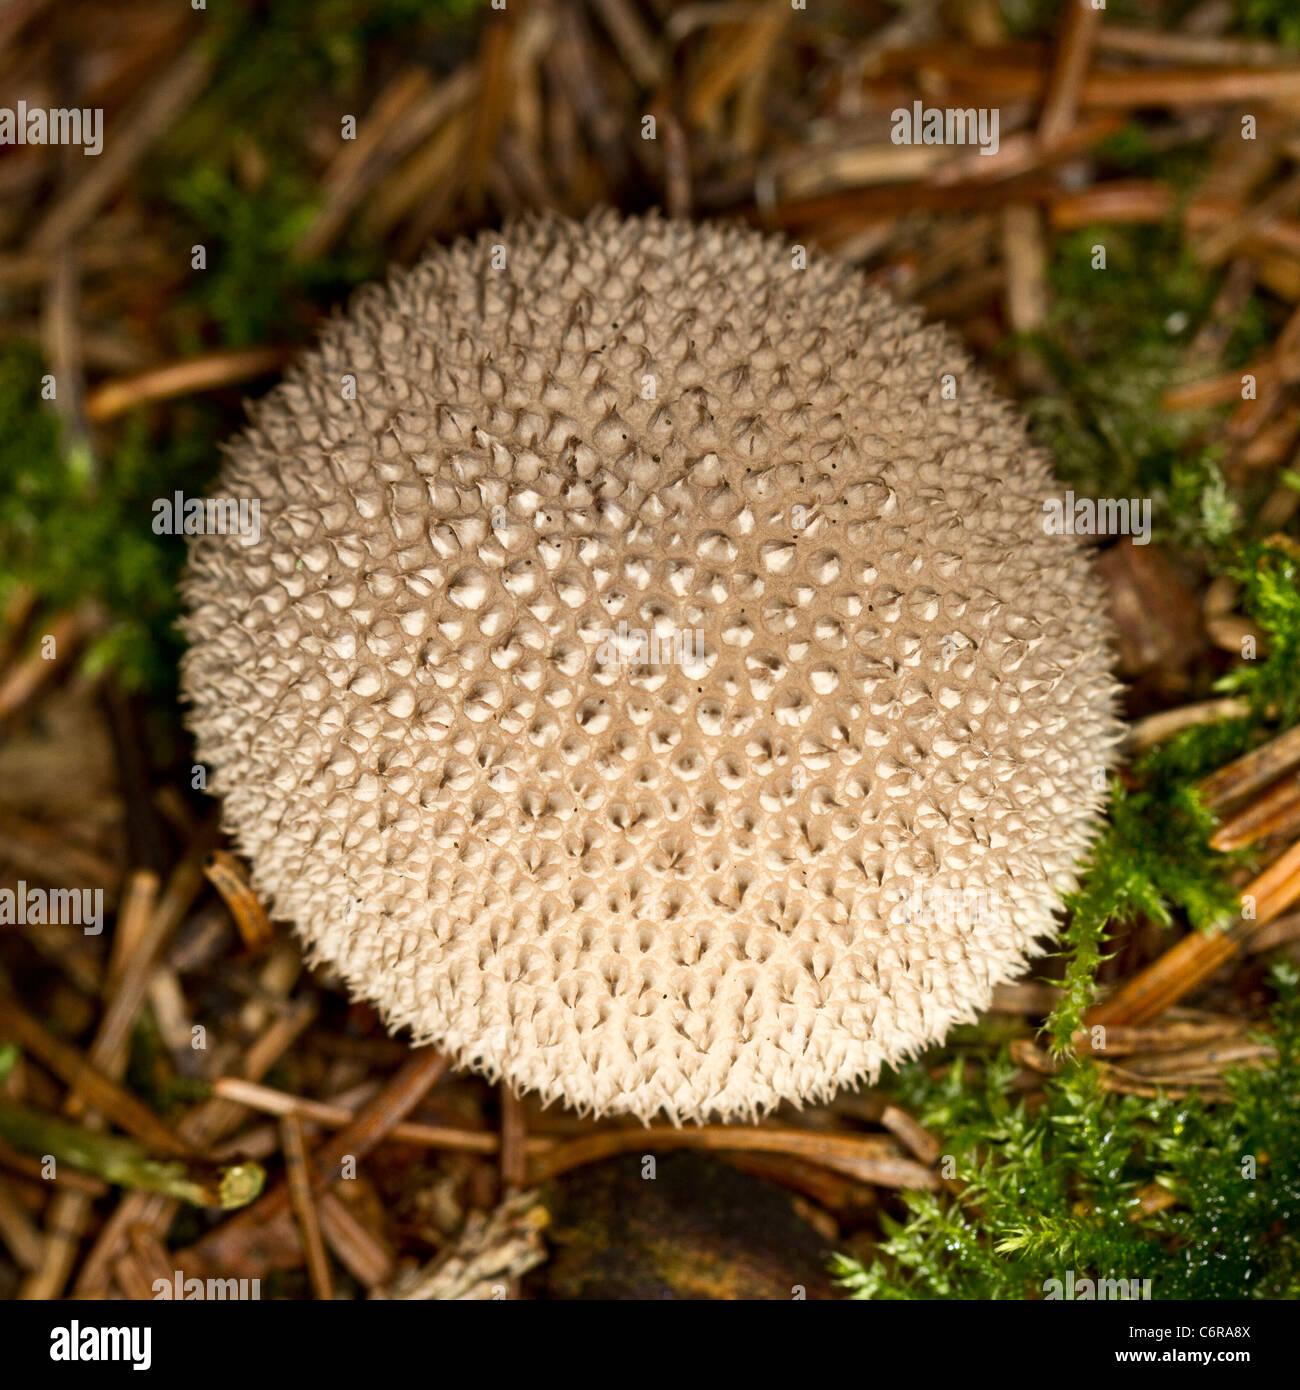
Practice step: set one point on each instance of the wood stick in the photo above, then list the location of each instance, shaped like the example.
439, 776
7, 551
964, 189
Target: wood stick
1167, 45
124, 146
132, 1278
1174, 1036
85, 1079
178, 896
61, 331
832, 1191
207, 373
134, 913
18, 1232
201, 1127
18, 610
297, 1177
1118, 200
514, 1143
1156, 728
68, 633
330, 1116
732, 57
1277, 888
494, 97
229, 877
1270, 814
1219, 390
1078, 34
636, 45
915, 1136
1025, 77
1191, 961
66, 1217
361, 161
1214, 1057
154, 1257
869, 1158
362, 1253
1222, 241
1252, 771
1279, 932
371, 1125
36, 849
1123, 1083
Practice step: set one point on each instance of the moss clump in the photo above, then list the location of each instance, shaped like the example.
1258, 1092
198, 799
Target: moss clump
1141, 863
1271, 19
239, 176
1270, 580
1056, 1188
70, 531
1141, 867
275, 60
253, 290
1116, 341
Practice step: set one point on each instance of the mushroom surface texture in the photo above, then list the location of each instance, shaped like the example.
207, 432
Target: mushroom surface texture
652, 681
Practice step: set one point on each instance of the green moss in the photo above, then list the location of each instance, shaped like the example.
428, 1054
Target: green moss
1270, 19
252, 290
276, 60
237, 176
1116, 341
1145, 861
1134, 152
71, 532
1270, 580
1055, 1188
1140, 869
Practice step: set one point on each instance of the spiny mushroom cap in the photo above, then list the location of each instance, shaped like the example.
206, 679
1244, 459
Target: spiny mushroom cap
454, 704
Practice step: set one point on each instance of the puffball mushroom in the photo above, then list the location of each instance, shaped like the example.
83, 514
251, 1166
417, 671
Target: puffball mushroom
653, 684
